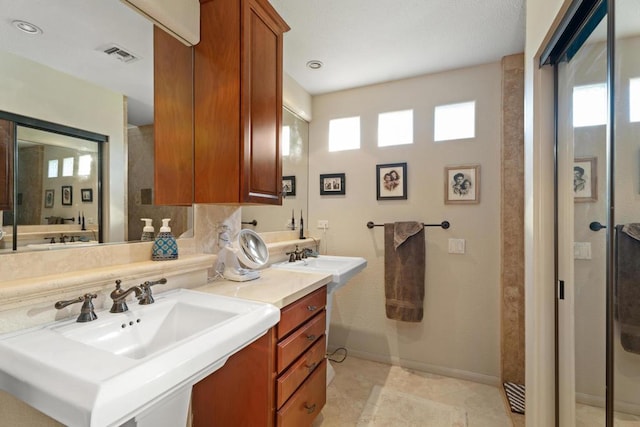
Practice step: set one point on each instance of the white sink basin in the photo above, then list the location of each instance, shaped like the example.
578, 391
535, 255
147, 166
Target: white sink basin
107, 371
54, 246
342, 268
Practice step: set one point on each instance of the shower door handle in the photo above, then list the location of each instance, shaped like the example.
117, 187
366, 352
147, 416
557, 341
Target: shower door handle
596, 226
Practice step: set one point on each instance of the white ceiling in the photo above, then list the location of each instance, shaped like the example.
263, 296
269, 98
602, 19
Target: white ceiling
360, 42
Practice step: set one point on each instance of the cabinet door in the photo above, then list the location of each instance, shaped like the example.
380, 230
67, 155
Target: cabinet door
261, 178
173, 120
6, 164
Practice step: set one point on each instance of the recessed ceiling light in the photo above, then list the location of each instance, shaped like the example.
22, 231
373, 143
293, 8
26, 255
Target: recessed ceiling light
314, 64
27, 27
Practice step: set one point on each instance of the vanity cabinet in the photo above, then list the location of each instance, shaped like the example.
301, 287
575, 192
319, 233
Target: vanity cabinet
6, 164
238, 103
279, 379
301, 381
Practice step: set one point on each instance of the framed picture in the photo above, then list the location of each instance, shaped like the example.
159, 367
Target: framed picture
86, 194
585, 179
48, 198
391, 181
332, 184
462, 184
289, 185
67, 195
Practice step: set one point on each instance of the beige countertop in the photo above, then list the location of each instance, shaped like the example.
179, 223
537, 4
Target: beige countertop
277, 287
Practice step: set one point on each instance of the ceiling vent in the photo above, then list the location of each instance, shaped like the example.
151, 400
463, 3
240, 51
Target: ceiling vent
120, 53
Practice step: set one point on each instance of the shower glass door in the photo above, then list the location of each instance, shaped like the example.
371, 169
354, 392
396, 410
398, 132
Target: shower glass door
582, 208
626, 179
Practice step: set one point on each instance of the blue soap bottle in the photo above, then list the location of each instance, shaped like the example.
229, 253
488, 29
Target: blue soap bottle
147, 230
165, 246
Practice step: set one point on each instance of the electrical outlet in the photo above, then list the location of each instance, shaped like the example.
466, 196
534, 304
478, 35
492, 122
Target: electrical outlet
456, 246
323, 224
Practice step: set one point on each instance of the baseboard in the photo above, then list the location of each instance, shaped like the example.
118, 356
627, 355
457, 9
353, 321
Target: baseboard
425, 367
599, 402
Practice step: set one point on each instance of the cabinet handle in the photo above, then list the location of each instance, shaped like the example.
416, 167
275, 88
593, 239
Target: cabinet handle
311, 337
312, 366
312, 308
310, 409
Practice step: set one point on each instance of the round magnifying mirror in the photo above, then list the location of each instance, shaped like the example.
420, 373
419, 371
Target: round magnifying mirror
252, 251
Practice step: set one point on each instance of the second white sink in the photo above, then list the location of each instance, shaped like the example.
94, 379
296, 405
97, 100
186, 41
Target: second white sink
342, 268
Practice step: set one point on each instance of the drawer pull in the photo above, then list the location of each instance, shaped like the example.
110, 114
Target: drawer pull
312, 308
311, 337
310, 409
312, 366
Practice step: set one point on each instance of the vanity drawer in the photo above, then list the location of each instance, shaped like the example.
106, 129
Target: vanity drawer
306, 403
294, 345
298, 312
294, 376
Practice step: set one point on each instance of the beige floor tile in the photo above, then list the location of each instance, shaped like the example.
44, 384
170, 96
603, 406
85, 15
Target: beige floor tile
355, 379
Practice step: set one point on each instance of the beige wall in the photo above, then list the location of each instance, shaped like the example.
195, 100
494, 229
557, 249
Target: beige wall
33, 90
460, 331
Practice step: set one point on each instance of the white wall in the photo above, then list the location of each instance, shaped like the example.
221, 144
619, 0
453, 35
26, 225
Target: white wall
460, 332
33, 90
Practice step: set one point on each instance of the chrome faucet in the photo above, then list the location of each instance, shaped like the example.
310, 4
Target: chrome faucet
147, 296
87, 313
119, 295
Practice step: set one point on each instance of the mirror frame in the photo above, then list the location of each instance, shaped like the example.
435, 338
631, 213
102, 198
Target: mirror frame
30, 122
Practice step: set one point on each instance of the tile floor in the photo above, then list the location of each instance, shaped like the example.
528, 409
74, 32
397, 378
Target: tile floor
355, 378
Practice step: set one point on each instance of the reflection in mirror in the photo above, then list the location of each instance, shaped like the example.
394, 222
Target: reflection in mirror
65, 75
295, 173
57, 189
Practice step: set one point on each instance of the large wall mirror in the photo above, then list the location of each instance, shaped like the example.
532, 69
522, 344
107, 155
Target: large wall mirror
295, 178
71, 67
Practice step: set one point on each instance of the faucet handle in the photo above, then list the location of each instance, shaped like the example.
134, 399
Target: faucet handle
87, 313
147, 296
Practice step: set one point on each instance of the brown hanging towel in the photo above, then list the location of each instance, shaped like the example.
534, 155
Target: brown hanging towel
628, 285
404, 270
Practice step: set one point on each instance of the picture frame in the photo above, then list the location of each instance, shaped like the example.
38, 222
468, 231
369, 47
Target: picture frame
391, 181
49, 198
289, 185
67, 195
332, 184
585, 179
86, 195
462, 185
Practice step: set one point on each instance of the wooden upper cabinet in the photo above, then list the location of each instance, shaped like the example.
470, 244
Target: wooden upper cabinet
173, 120
238, 103
7, 129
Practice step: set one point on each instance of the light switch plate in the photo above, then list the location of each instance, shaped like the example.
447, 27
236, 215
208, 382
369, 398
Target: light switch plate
456, 246
581, 250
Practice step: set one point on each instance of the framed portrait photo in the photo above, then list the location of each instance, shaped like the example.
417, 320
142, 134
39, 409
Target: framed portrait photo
462, 184
391, 181
86, 194
67, 195
585, 179
289, 185
332, 184
48, 198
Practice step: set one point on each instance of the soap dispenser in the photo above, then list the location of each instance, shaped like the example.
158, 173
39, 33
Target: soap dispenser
147, 230
165, 246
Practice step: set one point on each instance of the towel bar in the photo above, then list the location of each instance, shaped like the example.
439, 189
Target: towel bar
254, 222
443, 224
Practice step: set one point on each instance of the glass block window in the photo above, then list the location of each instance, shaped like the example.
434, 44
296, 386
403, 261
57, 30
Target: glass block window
455, 121
634, 99
590, 105
52, 171
67, 166
395, 128
84, 165
344, 134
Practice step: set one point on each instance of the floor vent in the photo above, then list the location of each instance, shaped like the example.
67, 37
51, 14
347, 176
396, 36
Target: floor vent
120, 53
515, 396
